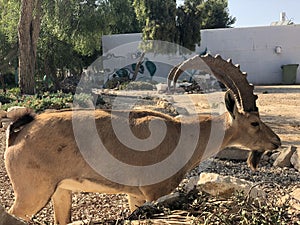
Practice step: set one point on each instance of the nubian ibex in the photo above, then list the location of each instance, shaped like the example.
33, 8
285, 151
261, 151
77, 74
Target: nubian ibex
44, 160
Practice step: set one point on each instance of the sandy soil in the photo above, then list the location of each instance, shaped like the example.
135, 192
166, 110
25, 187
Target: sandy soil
279, 107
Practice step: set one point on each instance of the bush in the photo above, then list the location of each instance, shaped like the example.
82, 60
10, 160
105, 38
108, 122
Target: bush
48, 100
137, 85
39, 102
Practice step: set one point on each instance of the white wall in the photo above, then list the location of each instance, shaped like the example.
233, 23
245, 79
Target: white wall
123, 50
254, 49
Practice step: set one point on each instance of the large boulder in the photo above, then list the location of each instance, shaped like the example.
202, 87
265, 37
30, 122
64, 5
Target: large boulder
284, 159
225, 186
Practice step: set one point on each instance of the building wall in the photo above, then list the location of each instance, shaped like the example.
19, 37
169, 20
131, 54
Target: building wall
122, 51
254, 49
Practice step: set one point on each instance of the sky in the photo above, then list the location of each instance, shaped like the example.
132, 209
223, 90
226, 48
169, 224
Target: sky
250, 13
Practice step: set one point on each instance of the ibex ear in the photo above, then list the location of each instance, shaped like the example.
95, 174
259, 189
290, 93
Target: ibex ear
230, 103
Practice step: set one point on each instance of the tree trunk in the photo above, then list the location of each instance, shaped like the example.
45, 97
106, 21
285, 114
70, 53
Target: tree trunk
137, 67
28, 31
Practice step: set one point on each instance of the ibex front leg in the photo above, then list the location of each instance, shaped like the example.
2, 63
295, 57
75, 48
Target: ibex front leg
62, 202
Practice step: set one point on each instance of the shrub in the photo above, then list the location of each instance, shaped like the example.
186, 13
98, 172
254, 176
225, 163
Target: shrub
137, 85
39, 102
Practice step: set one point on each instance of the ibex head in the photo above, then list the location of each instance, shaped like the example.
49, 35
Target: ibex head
244, 124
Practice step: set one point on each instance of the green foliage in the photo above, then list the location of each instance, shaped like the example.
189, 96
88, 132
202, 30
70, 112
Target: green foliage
47, 100
83, 100
137, 85
215, 14
121, 17
162, 21
158, 19
14, 91
71, 30
189, 24
39, 103
9, 16
82, 24
75, 23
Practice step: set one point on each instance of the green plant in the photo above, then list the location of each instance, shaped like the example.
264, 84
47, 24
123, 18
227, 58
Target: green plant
14, 91
137, 85
39, 102
83, 100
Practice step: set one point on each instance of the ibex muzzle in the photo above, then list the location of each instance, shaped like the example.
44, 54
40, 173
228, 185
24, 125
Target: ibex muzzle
44, 162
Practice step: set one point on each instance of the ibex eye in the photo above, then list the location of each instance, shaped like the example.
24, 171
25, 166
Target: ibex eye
254, 124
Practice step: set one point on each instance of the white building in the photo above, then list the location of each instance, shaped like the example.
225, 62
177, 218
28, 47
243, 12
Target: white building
260, 51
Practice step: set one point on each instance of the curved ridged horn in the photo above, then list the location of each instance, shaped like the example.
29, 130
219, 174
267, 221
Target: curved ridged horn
229, 74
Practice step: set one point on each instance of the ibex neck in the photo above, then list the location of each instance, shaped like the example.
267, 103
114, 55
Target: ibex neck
215, 134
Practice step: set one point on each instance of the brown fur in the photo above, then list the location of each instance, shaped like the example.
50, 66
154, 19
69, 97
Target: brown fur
44, 162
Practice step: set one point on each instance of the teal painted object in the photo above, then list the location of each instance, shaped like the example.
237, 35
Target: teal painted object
151, 67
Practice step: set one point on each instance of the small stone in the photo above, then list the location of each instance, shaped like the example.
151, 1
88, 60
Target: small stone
284, 159
292, 199
274, 156
169, 199
225, 186
295, 159
192, 183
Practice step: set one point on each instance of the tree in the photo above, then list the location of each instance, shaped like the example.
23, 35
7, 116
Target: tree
28, 33
70, 34
9, 13
121, 17
162, 21
72, 31
215, 14
158, 19
189, 24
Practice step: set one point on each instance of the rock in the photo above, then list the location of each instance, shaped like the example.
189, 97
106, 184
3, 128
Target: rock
293, 200
284, 159
225, 186
233, 153
295, 159
161, 88
295, 195
192, 183
7, 219
274, 156
169, 199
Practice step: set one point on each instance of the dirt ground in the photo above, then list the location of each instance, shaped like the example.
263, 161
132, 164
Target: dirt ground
279, 107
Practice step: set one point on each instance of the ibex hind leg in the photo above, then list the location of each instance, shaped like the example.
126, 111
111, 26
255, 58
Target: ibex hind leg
62, 203
30, 199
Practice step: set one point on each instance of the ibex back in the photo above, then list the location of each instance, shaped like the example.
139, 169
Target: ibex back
44, 162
